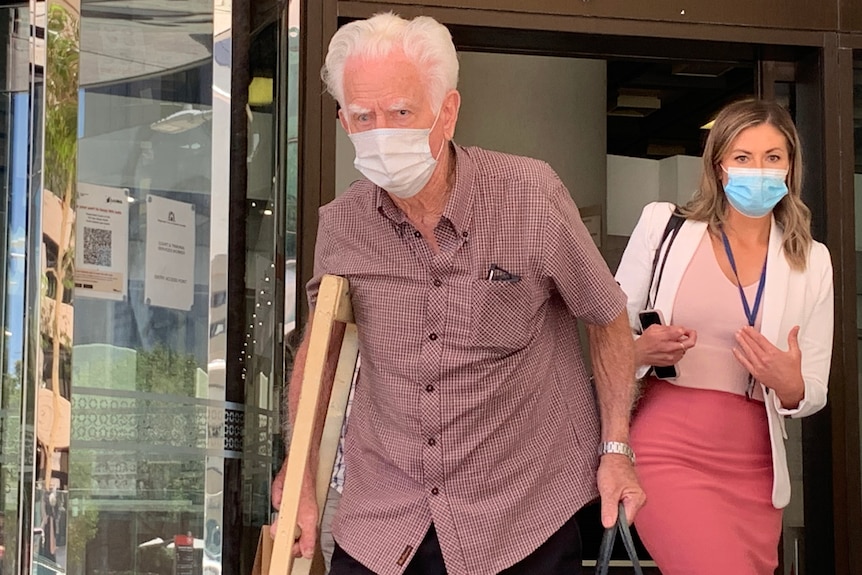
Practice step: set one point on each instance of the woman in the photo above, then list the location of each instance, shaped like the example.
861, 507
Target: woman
709, 442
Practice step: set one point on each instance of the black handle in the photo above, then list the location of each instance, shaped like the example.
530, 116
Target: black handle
622, 525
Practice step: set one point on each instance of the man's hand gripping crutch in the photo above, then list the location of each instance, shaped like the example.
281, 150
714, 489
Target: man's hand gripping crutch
326, 360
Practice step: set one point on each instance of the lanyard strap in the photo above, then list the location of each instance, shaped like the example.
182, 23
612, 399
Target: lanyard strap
750, 314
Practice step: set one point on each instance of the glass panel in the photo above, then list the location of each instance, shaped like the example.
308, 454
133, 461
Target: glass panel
30, 530
291, 181
293, 287
15, 179
52, 370
263, 327
291, 177
148, 423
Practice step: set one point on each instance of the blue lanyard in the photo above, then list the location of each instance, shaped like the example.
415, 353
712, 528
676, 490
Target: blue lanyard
750, 314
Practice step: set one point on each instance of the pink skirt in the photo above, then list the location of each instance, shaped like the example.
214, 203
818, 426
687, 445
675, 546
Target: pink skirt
705, 462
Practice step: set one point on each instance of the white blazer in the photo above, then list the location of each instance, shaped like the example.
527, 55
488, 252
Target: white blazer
790, 298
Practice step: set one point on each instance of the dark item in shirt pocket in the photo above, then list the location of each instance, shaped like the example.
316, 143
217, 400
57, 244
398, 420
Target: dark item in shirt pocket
504, 313
498, 274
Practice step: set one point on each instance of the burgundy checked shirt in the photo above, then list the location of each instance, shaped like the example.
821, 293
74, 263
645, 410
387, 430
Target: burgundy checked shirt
473, 409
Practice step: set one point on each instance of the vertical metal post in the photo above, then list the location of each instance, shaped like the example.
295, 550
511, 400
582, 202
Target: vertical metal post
236, 369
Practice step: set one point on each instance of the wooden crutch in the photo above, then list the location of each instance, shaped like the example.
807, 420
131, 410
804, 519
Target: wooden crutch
333, 305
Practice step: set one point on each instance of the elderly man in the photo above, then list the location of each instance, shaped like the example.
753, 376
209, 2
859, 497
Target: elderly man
475, 435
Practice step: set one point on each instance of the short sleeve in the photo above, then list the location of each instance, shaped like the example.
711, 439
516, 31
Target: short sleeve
575, 267
322, 252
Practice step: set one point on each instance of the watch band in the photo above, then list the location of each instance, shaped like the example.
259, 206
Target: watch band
617, 447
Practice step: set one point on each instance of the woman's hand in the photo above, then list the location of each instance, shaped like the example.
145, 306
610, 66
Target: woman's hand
780, 371
663, 345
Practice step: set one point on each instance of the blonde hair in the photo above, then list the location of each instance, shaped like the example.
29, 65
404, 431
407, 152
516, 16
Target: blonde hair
709, 203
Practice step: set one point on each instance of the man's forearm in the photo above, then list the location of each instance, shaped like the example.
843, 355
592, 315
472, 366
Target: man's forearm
294, 390
612, 354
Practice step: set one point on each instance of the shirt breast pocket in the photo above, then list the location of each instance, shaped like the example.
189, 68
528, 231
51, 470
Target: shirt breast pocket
505, 315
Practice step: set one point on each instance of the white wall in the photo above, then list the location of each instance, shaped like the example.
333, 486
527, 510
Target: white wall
631, 183
679, 178
542, 107
537, 106
634, 182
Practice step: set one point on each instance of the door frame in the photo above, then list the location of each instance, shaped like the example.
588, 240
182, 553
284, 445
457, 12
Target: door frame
840, 202
827, 98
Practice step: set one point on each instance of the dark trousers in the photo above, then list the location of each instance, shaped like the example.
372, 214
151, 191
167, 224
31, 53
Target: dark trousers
559, 555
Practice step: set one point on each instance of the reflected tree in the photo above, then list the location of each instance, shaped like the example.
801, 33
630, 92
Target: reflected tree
85, 525
61, 149
164, 370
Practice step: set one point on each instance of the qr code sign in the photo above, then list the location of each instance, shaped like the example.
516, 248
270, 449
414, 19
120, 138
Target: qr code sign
97, 247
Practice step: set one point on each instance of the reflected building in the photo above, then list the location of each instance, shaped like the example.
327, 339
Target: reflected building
141, 334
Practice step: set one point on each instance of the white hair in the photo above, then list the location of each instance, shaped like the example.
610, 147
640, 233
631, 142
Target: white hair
425, 42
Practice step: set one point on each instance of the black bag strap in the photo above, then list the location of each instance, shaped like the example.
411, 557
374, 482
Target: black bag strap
674, 223
608, 539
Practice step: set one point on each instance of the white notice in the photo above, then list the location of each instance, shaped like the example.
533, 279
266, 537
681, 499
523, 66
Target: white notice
102, 240
170, 273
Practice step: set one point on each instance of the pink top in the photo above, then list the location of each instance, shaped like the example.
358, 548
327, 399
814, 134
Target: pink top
709, 303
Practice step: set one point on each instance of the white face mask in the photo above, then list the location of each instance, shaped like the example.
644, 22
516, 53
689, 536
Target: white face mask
398, 160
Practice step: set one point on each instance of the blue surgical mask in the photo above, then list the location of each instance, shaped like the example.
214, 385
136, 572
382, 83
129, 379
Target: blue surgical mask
755, 191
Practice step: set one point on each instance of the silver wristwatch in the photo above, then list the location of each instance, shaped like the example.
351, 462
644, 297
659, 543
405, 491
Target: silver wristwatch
617, 447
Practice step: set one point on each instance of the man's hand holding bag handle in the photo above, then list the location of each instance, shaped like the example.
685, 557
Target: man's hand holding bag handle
607, 547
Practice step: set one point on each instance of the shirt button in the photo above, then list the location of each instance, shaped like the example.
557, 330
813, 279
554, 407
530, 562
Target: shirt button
429, 388
433, 337
417, 234
434, 491
437, 283
432, 442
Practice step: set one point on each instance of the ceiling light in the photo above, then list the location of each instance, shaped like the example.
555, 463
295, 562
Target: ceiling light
665, 150
635, 105
632, 101
701, 69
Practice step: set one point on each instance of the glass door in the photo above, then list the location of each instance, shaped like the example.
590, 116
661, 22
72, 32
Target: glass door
20, 118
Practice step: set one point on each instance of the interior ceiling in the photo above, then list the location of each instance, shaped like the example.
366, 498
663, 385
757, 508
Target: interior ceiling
657, 109
660, 90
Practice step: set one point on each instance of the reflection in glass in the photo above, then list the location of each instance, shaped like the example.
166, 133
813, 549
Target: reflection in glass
263, 292
144, 415
291, 160
52, 372
16, 176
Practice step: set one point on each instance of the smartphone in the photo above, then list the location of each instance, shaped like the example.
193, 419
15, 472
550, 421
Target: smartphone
650, 317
